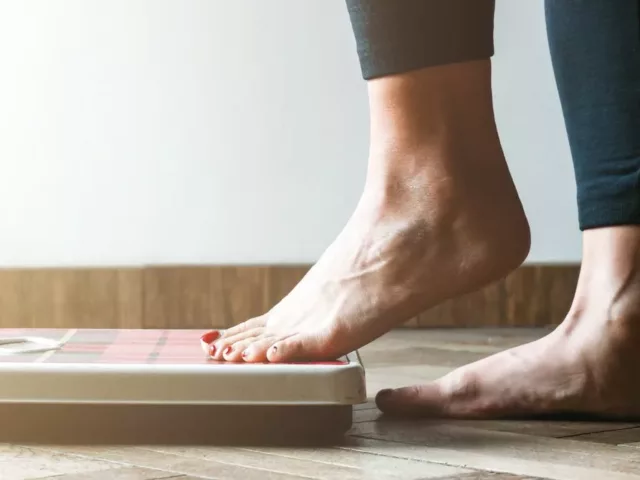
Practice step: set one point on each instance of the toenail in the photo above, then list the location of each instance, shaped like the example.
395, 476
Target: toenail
245, 354
210, 336
274, 349
228, 350
382, 394
212, 350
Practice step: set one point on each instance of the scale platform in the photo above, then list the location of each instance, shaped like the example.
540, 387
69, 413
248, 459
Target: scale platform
158, 386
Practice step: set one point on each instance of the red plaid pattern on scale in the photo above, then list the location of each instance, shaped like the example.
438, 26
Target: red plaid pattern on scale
89, 346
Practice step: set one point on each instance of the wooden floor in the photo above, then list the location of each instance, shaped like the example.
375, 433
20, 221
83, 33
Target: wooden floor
410, 450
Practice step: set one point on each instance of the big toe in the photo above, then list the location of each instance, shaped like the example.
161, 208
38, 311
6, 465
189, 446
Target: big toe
418, 400
461, 394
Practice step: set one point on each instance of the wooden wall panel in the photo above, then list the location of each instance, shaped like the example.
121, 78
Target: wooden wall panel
177, 295
244, 293
199, 297
532, 296
539, 296
222, 296
477, 308
109, 298
281, 281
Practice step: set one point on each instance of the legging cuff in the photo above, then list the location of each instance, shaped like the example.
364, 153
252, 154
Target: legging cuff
397, 36
621, 207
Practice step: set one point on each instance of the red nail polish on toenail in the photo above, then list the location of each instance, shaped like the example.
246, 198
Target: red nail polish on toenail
210, 336
212, 350
227, 350
245, 354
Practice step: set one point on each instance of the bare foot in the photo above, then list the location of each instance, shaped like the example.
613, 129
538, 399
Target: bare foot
439, 217
588, 365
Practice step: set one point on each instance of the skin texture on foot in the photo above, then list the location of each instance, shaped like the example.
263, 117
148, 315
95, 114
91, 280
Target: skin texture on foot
368, 283
587, 366
439, 217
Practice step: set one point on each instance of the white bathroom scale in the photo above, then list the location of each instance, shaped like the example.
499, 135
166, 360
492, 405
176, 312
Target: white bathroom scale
158, 386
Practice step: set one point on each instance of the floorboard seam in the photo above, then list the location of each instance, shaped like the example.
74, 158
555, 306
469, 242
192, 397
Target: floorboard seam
574, 435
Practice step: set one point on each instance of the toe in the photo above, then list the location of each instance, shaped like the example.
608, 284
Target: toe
251, 333
256, 351
458, 394
295, 348
244, 326
418, 400
217, 350
207, 339
235, 351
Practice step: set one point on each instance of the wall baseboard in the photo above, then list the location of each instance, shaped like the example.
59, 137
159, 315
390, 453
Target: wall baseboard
222, 296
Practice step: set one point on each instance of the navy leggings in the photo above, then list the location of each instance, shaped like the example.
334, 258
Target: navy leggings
595, 50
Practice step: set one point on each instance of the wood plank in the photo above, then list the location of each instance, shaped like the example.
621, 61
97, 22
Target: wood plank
219, 296
325, 463
64, 298
368, 415
484, 307
561, 284
539, 295
245, 292
370, 404
268, 462
379, 378
121, 473
486, 461
620, 436
498, 451
369, 466
489, 476
411, 355
280, 281
480, 339
177, 296
24, 463
521, 287
208, 297
544, 428
208, 468
575, 430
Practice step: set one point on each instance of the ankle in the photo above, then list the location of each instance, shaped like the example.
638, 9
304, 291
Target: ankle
424, 106
609, 283
610, 263
434, 130
611, 251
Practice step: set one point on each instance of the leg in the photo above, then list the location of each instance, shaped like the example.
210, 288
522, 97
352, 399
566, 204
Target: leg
587, 365
439, 215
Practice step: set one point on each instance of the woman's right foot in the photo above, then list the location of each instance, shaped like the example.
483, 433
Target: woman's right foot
439, 217
588, 366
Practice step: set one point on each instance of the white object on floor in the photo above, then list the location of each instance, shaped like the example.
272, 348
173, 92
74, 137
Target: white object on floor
39, 345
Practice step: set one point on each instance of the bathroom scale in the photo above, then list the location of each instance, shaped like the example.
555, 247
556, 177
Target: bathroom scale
159, 386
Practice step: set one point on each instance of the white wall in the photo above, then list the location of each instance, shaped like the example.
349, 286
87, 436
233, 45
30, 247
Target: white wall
533, 132
170, 131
